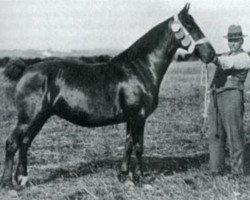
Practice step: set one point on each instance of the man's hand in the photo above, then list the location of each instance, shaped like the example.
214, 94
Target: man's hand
215, 61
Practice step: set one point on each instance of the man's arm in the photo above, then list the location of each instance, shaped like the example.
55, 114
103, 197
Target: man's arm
238, 61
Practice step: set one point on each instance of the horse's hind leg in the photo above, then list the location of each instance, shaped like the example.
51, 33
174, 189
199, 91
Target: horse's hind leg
10, 150
21, 139
21, 175
33, 111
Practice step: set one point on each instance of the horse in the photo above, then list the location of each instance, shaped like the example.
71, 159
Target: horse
122, 90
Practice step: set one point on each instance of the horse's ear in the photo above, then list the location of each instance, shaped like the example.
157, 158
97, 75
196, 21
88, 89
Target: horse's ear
185, 9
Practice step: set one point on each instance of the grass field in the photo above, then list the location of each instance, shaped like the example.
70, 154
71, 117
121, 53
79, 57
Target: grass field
71, 162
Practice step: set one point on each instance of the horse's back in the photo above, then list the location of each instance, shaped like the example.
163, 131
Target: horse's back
87, 93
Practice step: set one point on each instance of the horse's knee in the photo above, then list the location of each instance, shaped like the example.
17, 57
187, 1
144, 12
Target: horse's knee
15, 139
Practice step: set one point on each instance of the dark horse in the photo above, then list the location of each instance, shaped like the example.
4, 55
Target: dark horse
125, 89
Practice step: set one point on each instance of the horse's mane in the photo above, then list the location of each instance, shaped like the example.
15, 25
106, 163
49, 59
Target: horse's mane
146, 44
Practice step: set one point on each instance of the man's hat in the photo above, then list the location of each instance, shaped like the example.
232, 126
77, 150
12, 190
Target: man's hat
234, 32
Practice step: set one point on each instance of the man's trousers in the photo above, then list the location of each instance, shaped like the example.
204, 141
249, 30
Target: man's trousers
226, 125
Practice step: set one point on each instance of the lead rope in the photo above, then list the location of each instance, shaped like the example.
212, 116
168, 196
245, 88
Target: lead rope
204, 82
187, 41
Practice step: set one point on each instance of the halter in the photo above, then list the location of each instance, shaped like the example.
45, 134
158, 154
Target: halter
182, 34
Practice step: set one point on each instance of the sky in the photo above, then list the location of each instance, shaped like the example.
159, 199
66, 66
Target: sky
110, 24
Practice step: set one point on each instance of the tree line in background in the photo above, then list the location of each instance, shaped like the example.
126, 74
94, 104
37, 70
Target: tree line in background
81, 59
93, 59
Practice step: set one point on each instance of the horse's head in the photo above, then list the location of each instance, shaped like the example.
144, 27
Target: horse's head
190, 37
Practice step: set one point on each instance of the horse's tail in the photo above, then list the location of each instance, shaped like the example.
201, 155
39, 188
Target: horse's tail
14, 69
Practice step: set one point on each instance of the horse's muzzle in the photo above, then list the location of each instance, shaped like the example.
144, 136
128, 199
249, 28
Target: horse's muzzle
205, 52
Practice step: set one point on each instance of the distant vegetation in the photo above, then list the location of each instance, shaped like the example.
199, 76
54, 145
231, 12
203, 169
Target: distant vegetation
90, 56
81, 59
32, 53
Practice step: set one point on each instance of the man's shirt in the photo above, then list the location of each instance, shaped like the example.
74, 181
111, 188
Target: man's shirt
236, 60
232, 71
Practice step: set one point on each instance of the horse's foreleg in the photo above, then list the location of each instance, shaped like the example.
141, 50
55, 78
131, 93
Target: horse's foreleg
127, 153
12, 144
134, 141
138, 134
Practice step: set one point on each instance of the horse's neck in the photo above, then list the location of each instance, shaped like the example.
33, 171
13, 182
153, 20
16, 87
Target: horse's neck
160, 59
152, 53
156, 62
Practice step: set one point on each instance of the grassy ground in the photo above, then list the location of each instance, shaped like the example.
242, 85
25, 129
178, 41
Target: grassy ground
71, 162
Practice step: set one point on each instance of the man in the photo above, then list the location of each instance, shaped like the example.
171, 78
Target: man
227, 105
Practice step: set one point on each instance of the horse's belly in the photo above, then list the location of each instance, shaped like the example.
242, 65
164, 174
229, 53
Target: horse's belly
81, 110
90, 119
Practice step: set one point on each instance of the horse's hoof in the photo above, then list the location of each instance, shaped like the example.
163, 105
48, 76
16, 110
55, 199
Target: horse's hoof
22, 180
122, 176
138, 180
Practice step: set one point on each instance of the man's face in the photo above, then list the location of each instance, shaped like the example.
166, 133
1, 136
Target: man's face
235, 44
